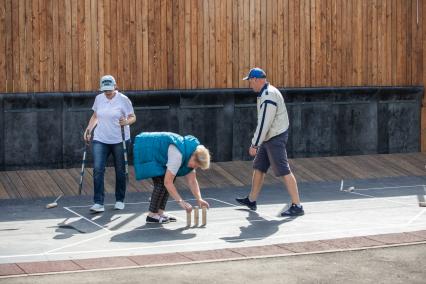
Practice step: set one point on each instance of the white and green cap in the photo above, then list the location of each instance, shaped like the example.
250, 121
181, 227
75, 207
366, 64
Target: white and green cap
107, 83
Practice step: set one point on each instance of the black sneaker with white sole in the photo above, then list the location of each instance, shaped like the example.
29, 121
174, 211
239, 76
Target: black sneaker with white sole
157, 219
246, 201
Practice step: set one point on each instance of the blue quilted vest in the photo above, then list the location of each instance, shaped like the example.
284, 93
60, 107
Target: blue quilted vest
150, 153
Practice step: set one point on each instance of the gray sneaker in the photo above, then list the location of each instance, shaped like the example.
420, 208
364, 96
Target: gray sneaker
119, 205
97, 208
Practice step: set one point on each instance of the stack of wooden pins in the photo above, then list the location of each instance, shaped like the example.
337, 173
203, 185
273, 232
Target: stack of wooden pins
197, 216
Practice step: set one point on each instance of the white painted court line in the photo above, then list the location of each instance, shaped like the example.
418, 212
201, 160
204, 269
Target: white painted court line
184, 228
199, 243
109, 204
88, 220
235, 205
77, 243
228, 220
233, 221
100, 226
85, 240
171, 227
22, 255
393, 201
56, 251
130, 203
239, 221
244, 219
392, 187
136, 203
219, 241
375, 197
417, 216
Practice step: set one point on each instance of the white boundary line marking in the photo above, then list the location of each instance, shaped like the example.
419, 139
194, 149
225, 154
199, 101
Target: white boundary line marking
228, 221
127, 203
375, 197
82, 241
393, 201
224, 202
55, 251
417, 216
88, 220
102, 227
131, 203
77, 243
210, 242
245, 221
391, 187
235, 205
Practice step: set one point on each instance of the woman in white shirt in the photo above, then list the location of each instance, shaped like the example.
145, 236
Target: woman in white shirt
111, 111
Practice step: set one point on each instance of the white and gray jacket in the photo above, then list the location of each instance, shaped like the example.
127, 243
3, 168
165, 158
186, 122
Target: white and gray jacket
272, 117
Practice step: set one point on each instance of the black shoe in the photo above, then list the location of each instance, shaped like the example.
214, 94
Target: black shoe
246, 201
294, 210
157, 219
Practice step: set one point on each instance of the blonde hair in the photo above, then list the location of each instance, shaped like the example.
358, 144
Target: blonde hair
202, 155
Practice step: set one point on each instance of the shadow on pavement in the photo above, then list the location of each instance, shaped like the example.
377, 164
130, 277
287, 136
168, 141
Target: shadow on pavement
259, 227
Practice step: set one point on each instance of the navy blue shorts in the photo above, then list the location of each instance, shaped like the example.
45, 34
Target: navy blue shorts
273, 153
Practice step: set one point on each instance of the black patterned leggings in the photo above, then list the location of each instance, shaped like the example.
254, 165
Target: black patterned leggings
159, 195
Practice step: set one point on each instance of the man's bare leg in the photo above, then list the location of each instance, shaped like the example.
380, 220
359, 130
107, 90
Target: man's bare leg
291, 184
256, 184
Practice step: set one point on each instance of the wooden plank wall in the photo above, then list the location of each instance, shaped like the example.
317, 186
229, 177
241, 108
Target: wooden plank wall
66, 45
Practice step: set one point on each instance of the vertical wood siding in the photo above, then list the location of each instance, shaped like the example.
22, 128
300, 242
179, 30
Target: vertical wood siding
66, 45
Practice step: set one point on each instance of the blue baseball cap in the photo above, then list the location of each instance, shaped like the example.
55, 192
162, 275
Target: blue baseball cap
255, 73
107, 83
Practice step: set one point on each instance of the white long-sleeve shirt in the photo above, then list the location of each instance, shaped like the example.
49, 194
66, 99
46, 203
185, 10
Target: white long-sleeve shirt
272, 117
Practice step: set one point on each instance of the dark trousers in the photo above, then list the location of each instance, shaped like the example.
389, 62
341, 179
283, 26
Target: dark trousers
159, 195
101, 152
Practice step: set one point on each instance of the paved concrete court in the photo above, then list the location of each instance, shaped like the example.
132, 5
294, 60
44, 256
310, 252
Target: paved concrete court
29, 232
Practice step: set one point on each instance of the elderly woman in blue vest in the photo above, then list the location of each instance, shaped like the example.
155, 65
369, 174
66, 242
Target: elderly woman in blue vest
162, 156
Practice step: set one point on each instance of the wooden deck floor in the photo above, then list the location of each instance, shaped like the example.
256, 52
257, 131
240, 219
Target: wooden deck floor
46, 183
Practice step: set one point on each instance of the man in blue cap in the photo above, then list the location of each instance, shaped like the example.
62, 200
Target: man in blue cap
268, 145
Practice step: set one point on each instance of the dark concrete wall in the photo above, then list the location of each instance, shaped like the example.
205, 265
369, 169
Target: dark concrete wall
45, 130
